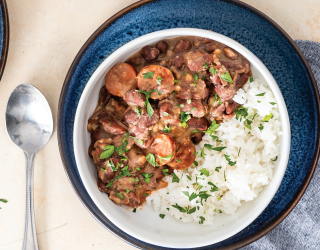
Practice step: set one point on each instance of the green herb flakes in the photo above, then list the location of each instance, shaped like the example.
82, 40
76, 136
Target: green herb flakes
272, 103
217, 168
209, 147
251, 79
261, 94
108, 151
213, 71
148, 75
231, 163
162, 216
261, 127
152, 159
205, 172
175, 178
226, 77
120, 196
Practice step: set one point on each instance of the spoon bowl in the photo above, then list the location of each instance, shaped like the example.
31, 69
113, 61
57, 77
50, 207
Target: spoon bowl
29, 125
28, 118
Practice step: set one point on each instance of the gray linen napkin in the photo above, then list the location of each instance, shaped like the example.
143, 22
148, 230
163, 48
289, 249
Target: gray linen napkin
301, 229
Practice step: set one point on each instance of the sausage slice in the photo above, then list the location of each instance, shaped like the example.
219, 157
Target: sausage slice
195, 60
155, 77
184, 157
120, 79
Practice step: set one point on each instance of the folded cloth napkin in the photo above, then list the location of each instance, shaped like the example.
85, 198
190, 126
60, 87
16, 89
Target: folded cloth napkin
301, 228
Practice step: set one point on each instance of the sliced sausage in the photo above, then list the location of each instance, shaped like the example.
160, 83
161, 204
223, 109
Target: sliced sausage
162, 46
225, 92
141, 130
195, 60
230, 53
149, 54
113, 126
162, 81
182, 46
198, 123
163, 146
184, 157
133, 97
131, 116
195, 108
120, 79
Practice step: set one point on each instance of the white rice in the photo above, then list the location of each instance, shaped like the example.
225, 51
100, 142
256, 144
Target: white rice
245, 180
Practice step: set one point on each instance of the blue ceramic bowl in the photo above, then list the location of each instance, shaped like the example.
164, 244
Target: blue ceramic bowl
4, 35
241, 23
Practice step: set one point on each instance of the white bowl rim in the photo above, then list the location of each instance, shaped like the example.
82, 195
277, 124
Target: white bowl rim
176, 32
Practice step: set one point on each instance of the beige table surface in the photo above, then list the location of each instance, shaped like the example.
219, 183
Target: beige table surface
45, 36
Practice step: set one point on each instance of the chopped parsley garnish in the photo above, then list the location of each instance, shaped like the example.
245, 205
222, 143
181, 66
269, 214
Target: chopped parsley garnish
189, 101
196, 163
203, 195
209, 147
272, 103
195, 131
138, 111
125, 171
144, 194
261, 127
213, 71
231, 163
186, 73
165, 114
175, 178
196, 153
189, 178
267, 117
217, 168
176, 81
258, 101
181, 209
134, 210
239, 151
167, 129
203, 78
275, 158
162, 216
251, 79
132, 180
159, 79
193, 108
219, 198
138, 140
168, 157
148, 75
202, 219
202, 153
212, 127
195, 77
122, 149
186, 193
127, 191
110, 183
149, 107
193, 196
224, 175
214, 187
108, 151
226, 77
4, 200
178, 160
111, 165
146, 177
261, 94
184, 117
152, 159
120, 195
192, 210
165, 171
205, 172
205, 66
168, 208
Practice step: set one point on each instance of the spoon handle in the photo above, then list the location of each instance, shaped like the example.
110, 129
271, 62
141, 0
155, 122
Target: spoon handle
30, 235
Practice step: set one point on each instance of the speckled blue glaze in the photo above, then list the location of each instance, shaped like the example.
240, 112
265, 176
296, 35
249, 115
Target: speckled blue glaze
1, 31
239, 24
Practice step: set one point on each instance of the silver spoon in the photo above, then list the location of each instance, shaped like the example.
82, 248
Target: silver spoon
29, 125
